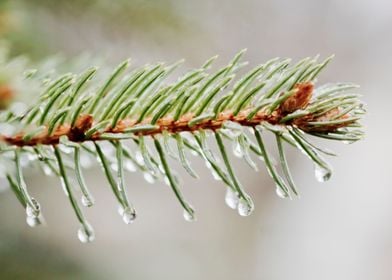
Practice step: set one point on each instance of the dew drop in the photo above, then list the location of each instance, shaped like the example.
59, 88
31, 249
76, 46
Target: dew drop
208, 164
216, 175
280, 192
130, 166
139, 158
189, 217
237, 151
86, 233
148, 177
32, 157
194, 153
322, 174
33, 221
120, 210
47, 170
114, 166
129, 215
166, 180
161, 168
87, 201
33, 211
251, 130
245, 207
231, 199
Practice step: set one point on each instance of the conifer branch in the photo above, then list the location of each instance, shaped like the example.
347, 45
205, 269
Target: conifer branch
76, 116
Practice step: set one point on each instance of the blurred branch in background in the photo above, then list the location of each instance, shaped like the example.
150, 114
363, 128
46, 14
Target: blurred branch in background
42, 27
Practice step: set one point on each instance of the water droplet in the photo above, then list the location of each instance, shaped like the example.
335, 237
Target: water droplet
114, 166
194, 153
237, 151
245, 207
87, 201
161, 168
280, 192
189, 217
129, 215
33, 221
148, 177
86, 233
216, 175
33, 211
47, 170
208, 164
32, 157
251, 130
120, 210
166, 180
139, 158
322, 174
231, 199
129, 165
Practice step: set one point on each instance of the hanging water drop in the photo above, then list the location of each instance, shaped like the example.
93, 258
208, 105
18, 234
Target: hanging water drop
251, 130
189, 217
86, 233
47, 170
32, 157
245, 207
114, 166
129, 165
128, 215
216, 175
139, 158
237, 150
148, 177
231, 198
166, 180
161, 168
33, 211
33, 221
321, 173
281, 193
120, 210
87, 201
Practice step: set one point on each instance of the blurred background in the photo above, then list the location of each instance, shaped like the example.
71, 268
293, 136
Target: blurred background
341, 229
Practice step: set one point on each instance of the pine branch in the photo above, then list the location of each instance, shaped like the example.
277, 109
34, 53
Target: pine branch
76, 116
